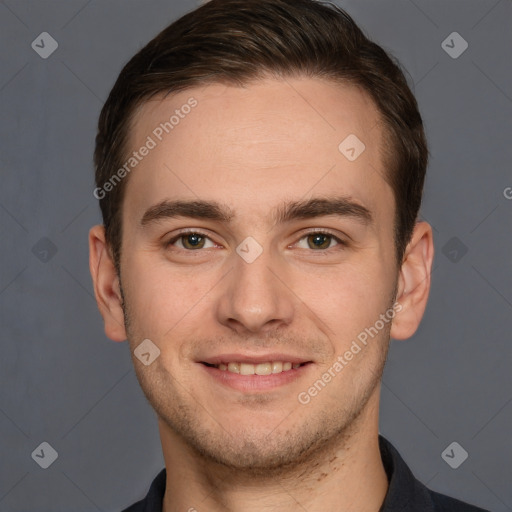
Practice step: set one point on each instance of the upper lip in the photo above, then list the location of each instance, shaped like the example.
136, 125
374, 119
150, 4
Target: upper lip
254, 359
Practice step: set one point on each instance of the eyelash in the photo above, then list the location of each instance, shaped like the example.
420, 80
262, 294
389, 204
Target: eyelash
339, 241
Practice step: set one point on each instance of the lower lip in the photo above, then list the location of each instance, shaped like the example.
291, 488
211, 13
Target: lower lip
248, 383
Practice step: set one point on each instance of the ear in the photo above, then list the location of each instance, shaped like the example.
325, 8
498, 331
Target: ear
414, 282
106, 284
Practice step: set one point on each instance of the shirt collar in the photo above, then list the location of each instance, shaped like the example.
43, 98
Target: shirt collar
405, 492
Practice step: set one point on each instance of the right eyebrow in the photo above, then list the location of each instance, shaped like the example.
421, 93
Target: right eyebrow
192, 209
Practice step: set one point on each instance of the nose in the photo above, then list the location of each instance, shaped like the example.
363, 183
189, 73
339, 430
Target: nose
255, 296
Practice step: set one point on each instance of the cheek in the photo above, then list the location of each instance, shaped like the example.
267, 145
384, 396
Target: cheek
347, 299
160, 297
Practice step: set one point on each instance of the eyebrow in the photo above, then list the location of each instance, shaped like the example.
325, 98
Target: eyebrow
293, 210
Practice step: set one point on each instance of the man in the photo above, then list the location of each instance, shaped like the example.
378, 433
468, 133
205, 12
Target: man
260, 166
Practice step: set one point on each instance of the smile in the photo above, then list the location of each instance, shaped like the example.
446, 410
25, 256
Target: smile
256, 375
265, 368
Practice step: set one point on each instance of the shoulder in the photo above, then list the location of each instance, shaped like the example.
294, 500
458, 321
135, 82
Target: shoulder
443, 503
405, 492
136, 507
153, 500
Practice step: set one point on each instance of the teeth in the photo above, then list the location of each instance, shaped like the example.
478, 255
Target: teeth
258, 369
233, 367
277, 367
246, 369
263, 369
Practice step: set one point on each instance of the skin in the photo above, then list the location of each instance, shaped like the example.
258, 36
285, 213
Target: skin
254, 148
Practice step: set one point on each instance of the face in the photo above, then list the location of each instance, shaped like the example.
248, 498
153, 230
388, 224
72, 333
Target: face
287, 256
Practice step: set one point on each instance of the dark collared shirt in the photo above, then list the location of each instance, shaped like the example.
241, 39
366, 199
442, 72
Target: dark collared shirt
405, 493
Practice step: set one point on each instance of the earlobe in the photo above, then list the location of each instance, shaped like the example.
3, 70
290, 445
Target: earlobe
106, 284
414, 282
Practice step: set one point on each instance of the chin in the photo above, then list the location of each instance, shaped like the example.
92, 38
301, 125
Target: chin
254, 457
257, 451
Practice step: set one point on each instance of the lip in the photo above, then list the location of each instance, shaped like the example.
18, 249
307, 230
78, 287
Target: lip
255, 383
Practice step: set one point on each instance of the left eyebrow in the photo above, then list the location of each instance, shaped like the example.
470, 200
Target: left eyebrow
287, 212
319, 207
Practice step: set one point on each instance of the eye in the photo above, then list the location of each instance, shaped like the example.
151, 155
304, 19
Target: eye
320, 240
192, 240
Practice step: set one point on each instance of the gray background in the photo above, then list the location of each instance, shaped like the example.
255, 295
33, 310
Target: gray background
63, 382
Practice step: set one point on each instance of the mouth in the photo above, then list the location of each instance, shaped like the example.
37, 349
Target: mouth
265, 368
256, 374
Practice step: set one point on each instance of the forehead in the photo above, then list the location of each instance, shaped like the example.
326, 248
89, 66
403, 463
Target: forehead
255, 143
305, 105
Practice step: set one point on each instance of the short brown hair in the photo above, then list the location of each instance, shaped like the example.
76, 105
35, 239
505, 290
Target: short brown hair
236, 41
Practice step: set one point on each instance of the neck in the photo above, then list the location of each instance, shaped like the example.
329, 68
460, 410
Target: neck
345, 475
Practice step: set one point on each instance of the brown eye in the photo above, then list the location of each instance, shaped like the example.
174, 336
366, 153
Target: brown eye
193, 241
319, 241
190, 241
